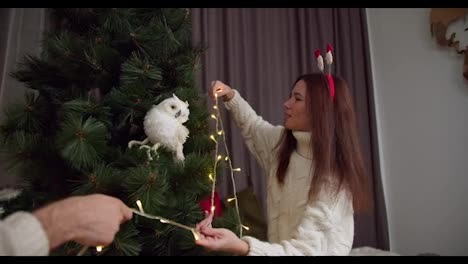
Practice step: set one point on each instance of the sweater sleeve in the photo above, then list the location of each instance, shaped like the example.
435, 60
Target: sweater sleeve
21, 234
260, 136
327, 228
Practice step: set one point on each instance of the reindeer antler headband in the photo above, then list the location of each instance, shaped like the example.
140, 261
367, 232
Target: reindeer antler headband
329, 60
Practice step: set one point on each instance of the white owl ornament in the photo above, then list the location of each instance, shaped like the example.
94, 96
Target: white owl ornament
163, 126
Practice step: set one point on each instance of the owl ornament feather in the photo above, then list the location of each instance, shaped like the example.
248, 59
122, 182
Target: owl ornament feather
163, 125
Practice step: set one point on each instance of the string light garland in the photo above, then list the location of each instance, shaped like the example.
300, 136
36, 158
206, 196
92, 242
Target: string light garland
85, 248
163, 220
82, 251
217, 157
220, 132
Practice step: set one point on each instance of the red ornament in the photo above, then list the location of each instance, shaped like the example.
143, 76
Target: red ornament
205, 204
329, 47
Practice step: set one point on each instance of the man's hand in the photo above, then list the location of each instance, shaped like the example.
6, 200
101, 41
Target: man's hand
91, 220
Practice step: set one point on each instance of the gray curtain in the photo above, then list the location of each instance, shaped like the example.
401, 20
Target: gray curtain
22, 29
260, 52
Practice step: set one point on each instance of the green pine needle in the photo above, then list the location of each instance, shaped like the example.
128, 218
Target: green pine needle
200, 144
191, 177
82, 142
35, 73
130, 104
88, 109
115, 21
126, 242
33, 115
101, 178
22, 146
137, 69
130, 95
148, 185
60, 45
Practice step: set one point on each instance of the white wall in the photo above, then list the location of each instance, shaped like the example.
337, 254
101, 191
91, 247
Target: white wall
422, 111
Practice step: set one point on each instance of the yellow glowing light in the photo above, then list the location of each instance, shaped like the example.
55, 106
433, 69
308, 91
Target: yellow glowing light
237, 169
99, 248
220, 132
195, 235
212, 138
210, 176
245, 227
213, 208
215, 107
231, 199
214, 117
138, 202
220, 157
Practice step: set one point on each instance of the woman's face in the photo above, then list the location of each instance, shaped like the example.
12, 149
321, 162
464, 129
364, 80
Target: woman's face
295, 114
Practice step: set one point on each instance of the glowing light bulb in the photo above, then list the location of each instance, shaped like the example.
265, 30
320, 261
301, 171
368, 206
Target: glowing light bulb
195, 234
99, 248
138, 202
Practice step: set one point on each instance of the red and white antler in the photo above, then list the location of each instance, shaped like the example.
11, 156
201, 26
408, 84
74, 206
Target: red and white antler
329, 57
319, 60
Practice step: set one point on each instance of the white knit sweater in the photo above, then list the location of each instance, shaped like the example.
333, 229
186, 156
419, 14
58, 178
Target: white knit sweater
296, 226
21, 234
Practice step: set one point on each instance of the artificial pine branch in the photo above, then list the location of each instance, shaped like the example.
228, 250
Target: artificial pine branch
99, 178
82, 142
88, 109
126, 242
35, 72
147, 184
138, 69
192, 177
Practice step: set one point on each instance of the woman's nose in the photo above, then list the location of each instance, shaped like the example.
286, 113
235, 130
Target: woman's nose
286, 104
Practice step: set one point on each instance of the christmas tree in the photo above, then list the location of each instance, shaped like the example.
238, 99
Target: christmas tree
100, 71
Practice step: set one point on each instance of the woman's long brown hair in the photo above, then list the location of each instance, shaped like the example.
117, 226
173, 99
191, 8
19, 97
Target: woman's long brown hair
334, 141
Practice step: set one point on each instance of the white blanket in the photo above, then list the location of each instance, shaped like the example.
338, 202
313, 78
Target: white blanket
369, 251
